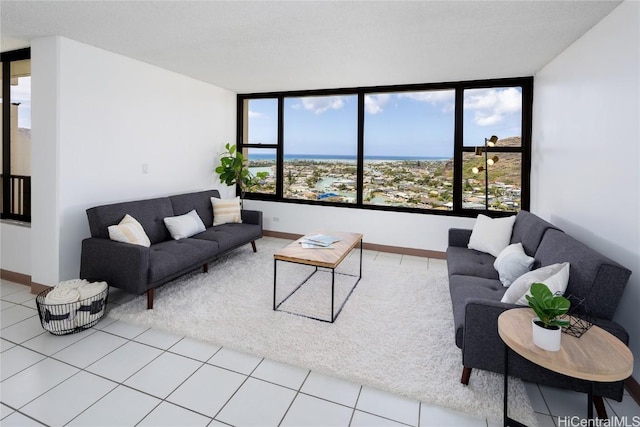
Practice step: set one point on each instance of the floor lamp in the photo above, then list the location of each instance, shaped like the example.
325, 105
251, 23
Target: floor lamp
488, 142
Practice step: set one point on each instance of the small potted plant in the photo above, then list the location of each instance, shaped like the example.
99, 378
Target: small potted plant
547, 327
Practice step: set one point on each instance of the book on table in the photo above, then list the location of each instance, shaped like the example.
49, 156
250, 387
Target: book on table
307, 245
318, 241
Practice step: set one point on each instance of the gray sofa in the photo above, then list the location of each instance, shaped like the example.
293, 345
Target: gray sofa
138, 269
476, 292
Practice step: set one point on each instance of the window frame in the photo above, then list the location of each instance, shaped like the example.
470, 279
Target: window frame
525, 83
7, 58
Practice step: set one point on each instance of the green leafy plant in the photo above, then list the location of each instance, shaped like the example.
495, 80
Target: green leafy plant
232, 170
547, 306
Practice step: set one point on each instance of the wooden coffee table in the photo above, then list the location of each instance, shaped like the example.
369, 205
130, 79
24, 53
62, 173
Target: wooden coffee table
597, 356
319, 258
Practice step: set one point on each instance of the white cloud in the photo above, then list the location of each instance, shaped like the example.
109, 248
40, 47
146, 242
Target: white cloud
487, 120
373, 104
320, 104
445, 98
433, 96
256, 115
492, 105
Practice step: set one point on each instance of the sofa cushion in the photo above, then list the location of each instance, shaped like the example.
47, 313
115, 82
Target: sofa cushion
512, 263
594, 277
230, 236
470, 262
461, 288
150, 213
491, 235
200, 201
174, 256
529, 230
183, 226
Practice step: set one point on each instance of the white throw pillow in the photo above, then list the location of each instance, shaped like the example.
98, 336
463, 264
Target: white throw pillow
129, 231
512, 263
555, 276
226, 210
184, 226
491, 235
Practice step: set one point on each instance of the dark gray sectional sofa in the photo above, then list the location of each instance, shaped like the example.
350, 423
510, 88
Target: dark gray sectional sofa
476, 292
138, 269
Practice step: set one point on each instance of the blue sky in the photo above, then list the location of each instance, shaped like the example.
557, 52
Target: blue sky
396, 124
22, 93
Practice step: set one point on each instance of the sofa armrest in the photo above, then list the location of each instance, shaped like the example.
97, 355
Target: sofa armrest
481, 344
459, 237
122, 265
251, 217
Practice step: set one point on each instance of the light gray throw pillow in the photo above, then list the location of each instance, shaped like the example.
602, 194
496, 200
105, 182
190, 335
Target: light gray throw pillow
512, 263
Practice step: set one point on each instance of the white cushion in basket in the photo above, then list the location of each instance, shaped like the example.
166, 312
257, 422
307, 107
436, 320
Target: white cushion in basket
183, 226
512, 263
555, 276
129, 231
491, 235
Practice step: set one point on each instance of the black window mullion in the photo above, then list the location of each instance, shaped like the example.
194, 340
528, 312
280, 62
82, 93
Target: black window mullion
527, 122
458, 148
280, 150
360, 161
6, 138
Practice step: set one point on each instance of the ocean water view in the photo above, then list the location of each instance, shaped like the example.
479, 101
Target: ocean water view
343, 158
423, 182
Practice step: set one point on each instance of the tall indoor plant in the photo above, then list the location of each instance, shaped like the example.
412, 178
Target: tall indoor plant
547, 327
232, 170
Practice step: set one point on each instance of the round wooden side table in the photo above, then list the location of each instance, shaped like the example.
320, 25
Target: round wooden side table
597, 356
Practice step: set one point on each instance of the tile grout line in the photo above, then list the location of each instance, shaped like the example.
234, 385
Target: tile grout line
237, 389
294, 398
168, 350
355, 404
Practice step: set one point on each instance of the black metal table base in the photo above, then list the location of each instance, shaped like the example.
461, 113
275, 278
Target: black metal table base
510, 422
334, 313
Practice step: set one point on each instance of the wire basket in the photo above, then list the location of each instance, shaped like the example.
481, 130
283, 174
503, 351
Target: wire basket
579, 319
63, 319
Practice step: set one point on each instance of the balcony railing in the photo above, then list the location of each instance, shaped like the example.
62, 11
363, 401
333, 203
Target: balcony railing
19, 198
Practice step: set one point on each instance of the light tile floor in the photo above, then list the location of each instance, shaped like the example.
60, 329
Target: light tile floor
118, 374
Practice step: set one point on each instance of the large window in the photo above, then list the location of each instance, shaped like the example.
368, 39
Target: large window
408, 143
15, 123
418, 148
320, 148
492, 174
259, 142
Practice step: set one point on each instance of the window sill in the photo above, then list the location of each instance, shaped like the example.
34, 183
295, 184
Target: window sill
16, 223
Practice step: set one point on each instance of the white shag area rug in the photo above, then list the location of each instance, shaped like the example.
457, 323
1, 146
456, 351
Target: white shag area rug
395, 332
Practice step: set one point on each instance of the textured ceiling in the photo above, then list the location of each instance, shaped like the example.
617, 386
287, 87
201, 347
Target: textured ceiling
265, 46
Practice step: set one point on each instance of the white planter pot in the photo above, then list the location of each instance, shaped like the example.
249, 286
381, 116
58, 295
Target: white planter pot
546, 339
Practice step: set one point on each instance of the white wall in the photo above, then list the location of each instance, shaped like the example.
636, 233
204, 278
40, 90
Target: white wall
115, 114
418, 231
45, 111
15, 248
586, 158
